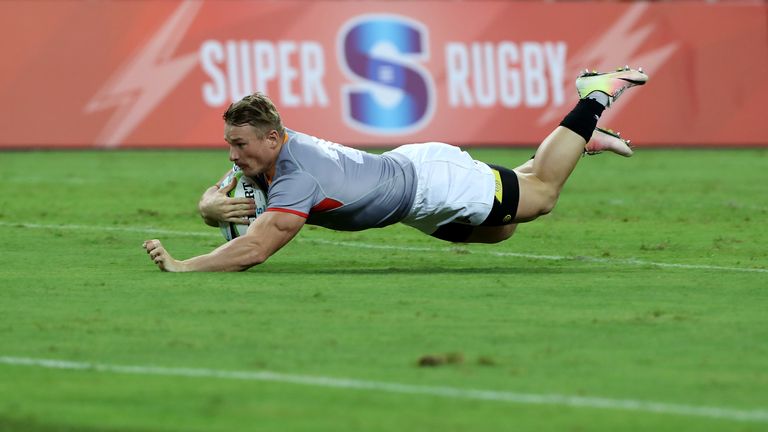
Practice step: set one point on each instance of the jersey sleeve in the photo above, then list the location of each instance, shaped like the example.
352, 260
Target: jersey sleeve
294, 193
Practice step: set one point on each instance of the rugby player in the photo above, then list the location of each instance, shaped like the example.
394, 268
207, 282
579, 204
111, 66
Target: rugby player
433, 187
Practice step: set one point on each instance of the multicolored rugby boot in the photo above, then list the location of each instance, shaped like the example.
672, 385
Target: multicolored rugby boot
612, 84
608, 140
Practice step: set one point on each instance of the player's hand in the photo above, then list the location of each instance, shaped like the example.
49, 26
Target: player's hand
216, 206
161, 257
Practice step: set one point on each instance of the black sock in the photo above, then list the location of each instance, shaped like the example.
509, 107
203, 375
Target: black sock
583, 118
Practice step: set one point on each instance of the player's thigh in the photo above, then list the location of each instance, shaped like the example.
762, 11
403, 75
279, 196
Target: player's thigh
491, 234
462, 233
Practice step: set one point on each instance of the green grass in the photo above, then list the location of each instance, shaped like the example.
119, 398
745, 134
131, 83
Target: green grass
76, 285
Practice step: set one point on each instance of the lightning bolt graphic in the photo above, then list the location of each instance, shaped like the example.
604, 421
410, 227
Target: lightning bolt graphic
618, 43
143, 81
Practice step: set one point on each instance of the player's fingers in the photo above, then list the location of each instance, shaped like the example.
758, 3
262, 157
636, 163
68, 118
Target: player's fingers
241, 201
238, 220
160, 264
234, 218
239, 212
150, 244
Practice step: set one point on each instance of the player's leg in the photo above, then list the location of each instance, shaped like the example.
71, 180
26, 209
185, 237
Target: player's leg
497, 226
556, 157
537, 183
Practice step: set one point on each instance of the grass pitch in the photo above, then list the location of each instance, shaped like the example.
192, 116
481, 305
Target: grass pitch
639, 304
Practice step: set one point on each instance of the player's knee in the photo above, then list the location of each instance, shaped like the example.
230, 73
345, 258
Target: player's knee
548, 199
537, 198
550, 204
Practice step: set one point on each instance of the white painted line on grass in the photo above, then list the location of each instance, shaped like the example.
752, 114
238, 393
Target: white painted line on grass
757, 415
117, 228
635, 262
210, 233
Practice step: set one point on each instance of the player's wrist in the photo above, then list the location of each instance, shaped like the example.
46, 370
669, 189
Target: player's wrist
182, 266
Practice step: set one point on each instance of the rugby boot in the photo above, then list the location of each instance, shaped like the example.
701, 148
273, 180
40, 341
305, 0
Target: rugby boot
608, 140
613, 84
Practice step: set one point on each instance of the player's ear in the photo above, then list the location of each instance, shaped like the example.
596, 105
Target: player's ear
274, 138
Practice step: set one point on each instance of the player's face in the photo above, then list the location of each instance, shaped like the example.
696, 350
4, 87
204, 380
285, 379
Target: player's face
253, 153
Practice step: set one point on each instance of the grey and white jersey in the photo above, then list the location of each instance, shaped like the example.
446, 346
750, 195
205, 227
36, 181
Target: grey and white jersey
339, 187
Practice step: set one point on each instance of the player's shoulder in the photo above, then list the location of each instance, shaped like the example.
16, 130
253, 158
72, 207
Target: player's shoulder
299, 153
298, 144
305, 148
310, 151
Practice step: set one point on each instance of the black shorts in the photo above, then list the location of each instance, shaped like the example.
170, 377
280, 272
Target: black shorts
503, 211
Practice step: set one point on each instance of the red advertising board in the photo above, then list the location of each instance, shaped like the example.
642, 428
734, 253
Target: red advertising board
144, 73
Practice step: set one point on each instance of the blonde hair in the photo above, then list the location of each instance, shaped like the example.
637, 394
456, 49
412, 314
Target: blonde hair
256, 110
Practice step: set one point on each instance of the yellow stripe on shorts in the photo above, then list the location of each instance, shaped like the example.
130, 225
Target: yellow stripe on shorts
499, 187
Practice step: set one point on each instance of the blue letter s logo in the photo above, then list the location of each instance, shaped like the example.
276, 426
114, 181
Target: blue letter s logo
393, 94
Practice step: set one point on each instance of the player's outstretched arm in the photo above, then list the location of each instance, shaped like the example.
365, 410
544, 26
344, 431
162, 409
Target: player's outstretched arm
215, 206
267, 235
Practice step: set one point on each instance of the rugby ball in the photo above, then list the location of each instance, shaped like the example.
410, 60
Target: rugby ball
246, 188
